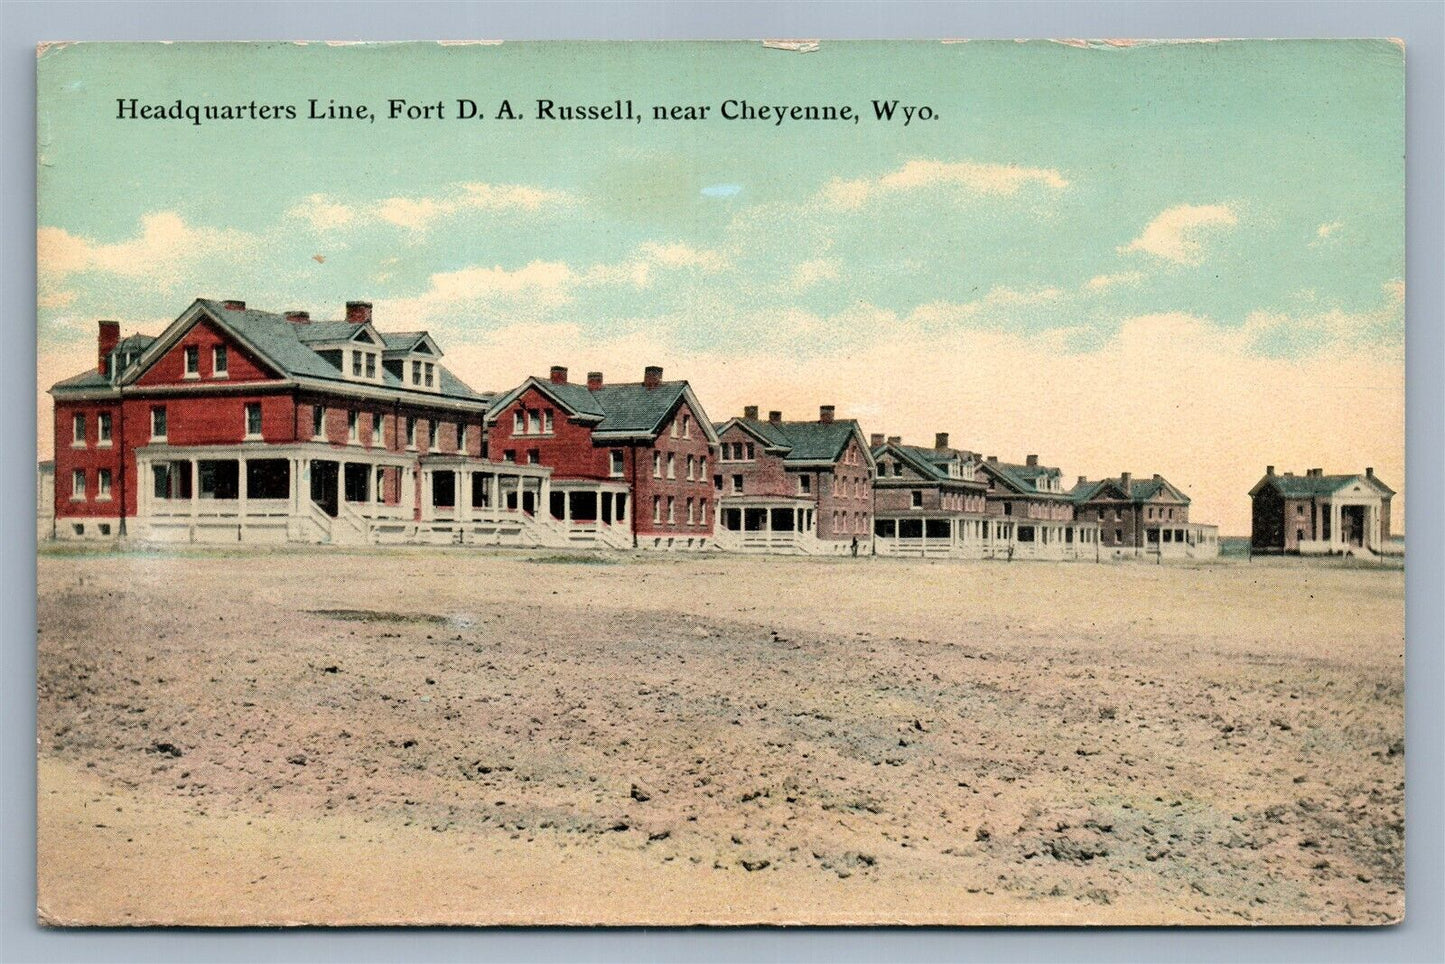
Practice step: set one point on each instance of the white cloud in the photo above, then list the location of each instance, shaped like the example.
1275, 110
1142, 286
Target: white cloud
969, 177
322, 213
1174, 234
1326, 232
808, 273
165, 247
1103, 282
418, 214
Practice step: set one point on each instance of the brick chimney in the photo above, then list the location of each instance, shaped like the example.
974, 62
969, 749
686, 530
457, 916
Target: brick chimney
1032, 461
993, 459
358, 312
1125, 480
558, 375
1369, 471
1158, 477
651, 376
940, 440
775, 417
895, 440
825, 414
299, 317
751, 412
232, 304
875, 440
594, 381
1083, 480
106, 341
1269, 470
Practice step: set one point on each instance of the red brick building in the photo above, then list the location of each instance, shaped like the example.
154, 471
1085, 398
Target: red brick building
243, 425
629, 462
928, 501
1030, 513
1318, 514
1143, 516
796, 487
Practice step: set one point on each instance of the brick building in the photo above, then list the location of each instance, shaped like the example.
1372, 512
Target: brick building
243, 425
1318, 514
794, 487
1143, 516
629, 462
1031, 514
928, 501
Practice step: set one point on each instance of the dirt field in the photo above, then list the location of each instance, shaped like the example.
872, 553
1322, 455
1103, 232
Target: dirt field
289, 737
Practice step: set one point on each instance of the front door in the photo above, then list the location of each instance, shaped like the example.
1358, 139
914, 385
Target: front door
323, 486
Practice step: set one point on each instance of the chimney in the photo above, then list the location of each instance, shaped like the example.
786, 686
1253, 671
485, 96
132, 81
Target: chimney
1125, 480
299, 317
993, 459
1269, 470
1369, 471
1319, 472
231, 304
358, 312
594, 381
751, 412
106, 341
1289, 475
940, 440
1083, 480
652, 376
1032, 461
1158, 477
895, 440
558, 375
875, 440
825, 414
775, 417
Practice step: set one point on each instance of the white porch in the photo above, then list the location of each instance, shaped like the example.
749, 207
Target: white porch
772, 525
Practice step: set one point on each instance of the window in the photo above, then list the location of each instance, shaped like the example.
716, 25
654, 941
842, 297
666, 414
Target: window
430, 368
378, 429
657, 465
1118, 535
687, 426
534, 456
104, 427
158, 422
356, 364
657, 508
318, 421
805, 484
691, 464
411, 431
77, 484
510, 455
351, 426
1299, 510
102, 484
193, 361
461, 438
917, 499
737, 483
675, 423
547, 422
371, 364
416, 373
253, 420
78, 427
671, 466
615, 464
717, 482
671, 511
750, 451
534, 422
519, 422
702, 468
220, 364
432, 432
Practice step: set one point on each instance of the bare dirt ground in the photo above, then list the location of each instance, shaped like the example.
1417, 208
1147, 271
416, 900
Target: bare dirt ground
453, 737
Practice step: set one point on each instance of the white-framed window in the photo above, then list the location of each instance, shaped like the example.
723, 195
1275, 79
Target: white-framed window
77, 485
378, 429
356, 363
547, 422
462, 437
534, 422
102, 485
691, 513
430, 374
220, 362
702, 512
411, 431
433, 434
318, 421
78, 430
371, 364
103, 429
351, 434
676, 424
671, 511
615, 464
687, 426
416, 373
158, 423
656, 505
253, 419
519, 422
657, 465
193, 361
671, 465
702, 468
691, 464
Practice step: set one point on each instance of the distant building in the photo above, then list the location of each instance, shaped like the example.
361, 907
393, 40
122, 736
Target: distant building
928, 501
793, 487
629, 462
1143, 517
1032, 513
1318, 514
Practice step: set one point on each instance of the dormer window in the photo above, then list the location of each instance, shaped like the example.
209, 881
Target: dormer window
356, 364
193, 361
371, 364
430, 369
416, 373
220, 364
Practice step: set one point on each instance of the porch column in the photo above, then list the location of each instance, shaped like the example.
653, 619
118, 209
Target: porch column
464, 495
1336, 536
544, 496
195, 486
567, 509
242, 485
340, 485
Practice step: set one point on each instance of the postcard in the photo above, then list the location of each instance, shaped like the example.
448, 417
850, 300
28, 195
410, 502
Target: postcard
792, 482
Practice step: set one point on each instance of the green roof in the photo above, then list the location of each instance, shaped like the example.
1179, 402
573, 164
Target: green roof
1308, 486
627, 408
1140, 490
805, 441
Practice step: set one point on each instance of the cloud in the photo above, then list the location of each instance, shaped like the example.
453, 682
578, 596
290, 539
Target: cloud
322, 213
1103, 282
968, 177
1174, 234
805, 274
1326, 232
1286, 333
165, 247
418, 214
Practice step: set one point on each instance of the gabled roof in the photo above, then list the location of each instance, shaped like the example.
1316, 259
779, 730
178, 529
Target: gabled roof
86, 381
406, 341
625, 410
805, 442
931, 464
280, 344
1140, 490
1023, 479
1309, 486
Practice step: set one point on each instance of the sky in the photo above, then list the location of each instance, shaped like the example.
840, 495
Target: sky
1182, 258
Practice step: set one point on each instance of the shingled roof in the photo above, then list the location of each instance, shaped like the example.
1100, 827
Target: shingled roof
1024, 478
1309, 486
928, 463
800, 442
1140, 490
620, 410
